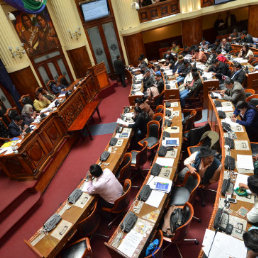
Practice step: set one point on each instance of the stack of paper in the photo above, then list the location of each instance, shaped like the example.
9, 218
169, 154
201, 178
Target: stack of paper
245, 161
165, 162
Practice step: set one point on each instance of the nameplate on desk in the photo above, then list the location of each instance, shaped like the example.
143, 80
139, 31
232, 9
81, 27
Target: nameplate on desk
171, 153
119, 142
237, 128
127, 130
175, 113
82, 201
226, 104
62, 228
241, 145
165, 172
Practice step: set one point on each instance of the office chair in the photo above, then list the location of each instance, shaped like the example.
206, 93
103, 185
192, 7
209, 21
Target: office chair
188, 122
11, 113
25, 99
123, 171
253, 100
181, 232
159, 252
88, 226
139, 157
196, 100
121, 204
158, 100
152, 138
79, 249
158, 117
159, 109
185, 192
249, 92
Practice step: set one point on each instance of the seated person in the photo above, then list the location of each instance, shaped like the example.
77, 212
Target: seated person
239, 73
105, 184
189, 77
245, 37
234, 35
199, 56
252, 188
245, 52
204, 45
47, 94
249, 119
56, 88
174, 48
205, 164
186, 51
224, 46
143, 105
251, 242
143, 60
182, 71
219, 70
191, 89
141, 119
159, 81
221, 57
40, 102
152, 92
148, 79
28, 114
15, 127
168, 56
178, 63
234, 91
211, 57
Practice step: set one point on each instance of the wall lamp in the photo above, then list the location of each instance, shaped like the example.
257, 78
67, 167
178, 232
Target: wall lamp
18, 52
76, 34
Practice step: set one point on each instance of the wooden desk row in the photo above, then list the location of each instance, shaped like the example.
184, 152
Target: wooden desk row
51, 243
215, 123
149, 216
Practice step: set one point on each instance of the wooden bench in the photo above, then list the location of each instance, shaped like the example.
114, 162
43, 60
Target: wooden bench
81, 121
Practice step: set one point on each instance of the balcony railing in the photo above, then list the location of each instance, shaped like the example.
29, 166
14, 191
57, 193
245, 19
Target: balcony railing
206, 3
158, 10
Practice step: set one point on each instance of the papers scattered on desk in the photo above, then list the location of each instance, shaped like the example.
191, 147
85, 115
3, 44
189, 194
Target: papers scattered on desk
235, 127
155, 198
168, 72
223, 245
61, 95
225, 108
245, 161
158, 181
240, 179
165, 162
216, 95
241, 145
175, 129
208, 75
168, 142
8, 150
240, 60
173, 84
162, 60
121, 122
138, 93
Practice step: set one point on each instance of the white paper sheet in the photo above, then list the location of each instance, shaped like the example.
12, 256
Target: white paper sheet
240, 179
225, 109
155, 198
245, 161
121, 122
165, 162
216, 95
157, 179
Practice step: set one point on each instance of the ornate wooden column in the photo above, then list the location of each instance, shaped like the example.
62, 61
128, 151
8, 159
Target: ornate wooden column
16, 64
70, 31
134, 47
192, 31
253, 20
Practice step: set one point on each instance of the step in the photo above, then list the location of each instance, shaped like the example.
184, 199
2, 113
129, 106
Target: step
20, 212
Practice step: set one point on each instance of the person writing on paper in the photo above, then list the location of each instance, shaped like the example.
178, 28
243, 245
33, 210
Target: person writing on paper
252, 188
40, 102
249, 119
105, 184
234, 91
205, 164
251, 242
15, 127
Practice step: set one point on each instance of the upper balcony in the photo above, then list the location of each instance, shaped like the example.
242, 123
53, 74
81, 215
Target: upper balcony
159, 10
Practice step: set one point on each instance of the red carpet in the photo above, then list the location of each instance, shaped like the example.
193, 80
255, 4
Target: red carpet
83, 154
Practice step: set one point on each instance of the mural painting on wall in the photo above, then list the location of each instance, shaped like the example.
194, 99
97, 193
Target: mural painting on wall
36, 32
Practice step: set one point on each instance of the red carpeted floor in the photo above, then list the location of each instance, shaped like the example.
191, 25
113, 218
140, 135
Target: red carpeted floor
83, 154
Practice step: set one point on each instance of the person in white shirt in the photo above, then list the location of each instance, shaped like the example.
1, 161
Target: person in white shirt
105, 184
252, 187
245, 52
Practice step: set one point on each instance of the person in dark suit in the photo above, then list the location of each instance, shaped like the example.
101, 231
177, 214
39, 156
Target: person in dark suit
219, 69
120, 69
159, 81
148, 79
249, 119
239, 73
234, 91
224, 46
15, 127
168, 56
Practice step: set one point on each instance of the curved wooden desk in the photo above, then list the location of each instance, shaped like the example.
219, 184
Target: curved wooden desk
149, 216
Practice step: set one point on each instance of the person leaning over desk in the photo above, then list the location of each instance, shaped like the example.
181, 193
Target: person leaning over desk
234, 91
105, 184
249, 119
252, 188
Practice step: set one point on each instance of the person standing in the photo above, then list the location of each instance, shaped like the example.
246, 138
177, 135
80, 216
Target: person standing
120, 69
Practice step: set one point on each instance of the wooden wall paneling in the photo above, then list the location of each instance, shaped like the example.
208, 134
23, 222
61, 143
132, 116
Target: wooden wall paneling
134, 47
253, 20
24, 81
80, 61
192, 31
